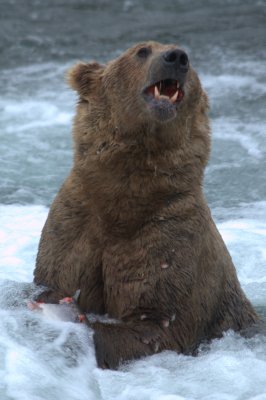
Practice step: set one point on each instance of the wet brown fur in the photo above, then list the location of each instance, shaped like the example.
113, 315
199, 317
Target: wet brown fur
130, 226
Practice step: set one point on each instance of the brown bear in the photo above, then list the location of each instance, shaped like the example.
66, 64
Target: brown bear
130, 226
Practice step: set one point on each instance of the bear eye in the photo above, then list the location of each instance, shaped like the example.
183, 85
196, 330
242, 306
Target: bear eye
144, 52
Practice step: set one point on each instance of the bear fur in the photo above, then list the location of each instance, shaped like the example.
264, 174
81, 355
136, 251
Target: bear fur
130, 226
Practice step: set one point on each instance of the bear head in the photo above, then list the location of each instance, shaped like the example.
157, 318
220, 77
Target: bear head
150, 83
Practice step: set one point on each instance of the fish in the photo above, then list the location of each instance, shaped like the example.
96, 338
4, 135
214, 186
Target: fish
66, 310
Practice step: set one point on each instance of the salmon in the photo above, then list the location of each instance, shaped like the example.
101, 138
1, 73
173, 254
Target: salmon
66, 310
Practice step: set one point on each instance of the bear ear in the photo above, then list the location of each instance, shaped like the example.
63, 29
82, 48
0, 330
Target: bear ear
84, 77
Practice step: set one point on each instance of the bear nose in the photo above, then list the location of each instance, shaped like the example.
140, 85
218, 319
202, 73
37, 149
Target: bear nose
177, 58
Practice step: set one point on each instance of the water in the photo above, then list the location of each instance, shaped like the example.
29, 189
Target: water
39, 40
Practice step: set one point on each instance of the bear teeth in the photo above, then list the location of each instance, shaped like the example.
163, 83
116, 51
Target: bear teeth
156, 92
174, 97
159, 96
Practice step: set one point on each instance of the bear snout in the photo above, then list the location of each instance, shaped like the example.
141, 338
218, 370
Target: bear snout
176, 58
164, 90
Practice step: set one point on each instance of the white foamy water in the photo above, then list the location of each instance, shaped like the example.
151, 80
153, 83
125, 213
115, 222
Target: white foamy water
35, 131
42, 359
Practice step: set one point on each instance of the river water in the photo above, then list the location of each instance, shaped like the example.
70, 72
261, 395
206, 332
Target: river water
39, 40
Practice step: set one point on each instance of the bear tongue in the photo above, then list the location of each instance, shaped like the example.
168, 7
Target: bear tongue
168, 89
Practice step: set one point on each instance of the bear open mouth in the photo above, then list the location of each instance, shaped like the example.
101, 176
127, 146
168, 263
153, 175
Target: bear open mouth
167, 89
